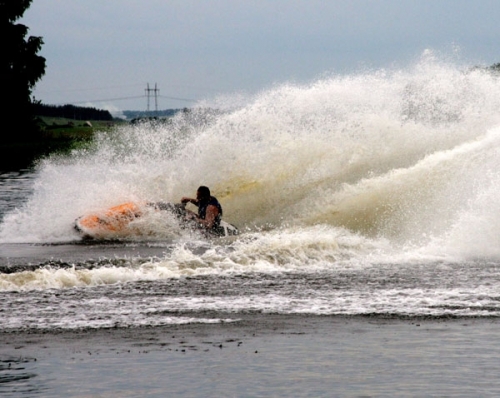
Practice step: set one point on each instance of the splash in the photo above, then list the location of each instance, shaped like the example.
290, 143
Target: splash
408, 157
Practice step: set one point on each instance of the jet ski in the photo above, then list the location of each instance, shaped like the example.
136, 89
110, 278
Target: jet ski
114, 221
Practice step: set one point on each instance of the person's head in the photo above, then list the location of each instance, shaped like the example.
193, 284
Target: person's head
203, 193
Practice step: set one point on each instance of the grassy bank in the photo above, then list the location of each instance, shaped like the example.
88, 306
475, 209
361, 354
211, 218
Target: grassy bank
57, 135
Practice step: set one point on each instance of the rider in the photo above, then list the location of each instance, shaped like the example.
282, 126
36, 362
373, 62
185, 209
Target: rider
209, 209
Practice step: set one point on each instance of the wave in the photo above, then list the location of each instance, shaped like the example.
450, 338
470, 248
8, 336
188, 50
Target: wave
406, 156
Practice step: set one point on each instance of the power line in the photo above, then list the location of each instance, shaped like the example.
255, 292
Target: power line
178, 99
86, 89
108, 99
136, 97
147, 95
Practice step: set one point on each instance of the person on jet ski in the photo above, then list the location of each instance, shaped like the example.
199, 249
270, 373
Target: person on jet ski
209, 209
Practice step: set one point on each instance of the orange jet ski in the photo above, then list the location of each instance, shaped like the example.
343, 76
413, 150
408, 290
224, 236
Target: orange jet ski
115, 221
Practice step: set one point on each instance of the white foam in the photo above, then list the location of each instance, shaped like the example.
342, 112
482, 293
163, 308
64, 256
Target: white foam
406, 157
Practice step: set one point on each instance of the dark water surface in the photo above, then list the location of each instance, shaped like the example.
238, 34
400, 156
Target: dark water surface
295, 356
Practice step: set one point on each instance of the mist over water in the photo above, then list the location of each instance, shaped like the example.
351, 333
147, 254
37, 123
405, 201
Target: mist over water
387, 165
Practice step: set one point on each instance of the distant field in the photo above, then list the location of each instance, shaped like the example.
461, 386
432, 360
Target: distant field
59, 135
61, 128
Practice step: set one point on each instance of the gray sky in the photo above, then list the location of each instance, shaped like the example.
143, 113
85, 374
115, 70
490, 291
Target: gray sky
104, 53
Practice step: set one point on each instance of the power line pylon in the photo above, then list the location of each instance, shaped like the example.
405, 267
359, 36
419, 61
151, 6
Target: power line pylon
156, 91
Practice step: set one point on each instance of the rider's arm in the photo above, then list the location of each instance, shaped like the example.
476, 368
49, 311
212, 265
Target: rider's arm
189, 200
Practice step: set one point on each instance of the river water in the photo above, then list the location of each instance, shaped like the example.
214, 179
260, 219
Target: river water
371, 194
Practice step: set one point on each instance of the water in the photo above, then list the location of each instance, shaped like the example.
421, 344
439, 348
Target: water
370, 194
361, 360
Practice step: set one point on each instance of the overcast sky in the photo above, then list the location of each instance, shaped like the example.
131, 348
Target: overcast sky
105, 53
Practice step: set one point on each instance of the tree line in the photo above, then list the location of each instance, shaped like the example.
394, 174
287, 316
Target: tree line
71, 112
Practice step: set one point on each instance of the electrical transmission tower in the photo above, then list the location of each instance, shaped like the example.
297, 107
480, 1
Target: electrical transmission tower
156, 91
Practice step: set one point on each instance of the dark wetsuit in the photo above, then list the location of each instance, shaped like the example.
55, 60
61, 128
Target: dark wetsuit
202, 210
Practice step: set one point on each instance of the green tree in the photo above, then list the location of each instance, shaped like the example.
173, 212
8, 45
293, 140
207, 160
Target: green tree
20, 69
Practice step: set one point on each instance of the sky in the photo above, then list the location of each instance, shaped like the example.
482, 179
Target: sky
106, 53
